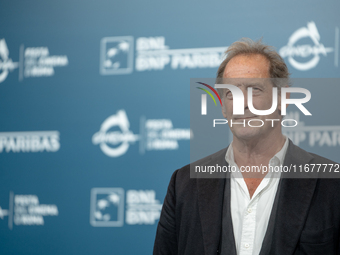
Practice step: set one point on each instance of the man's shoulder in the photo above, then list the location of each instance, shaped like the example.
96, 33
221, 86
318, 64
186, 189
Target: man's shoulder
317, 159
297, 153
310, 165
183, 174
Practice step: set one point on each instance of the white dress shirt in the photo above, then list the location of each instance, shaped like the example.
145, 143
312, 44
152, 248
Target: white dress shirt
250, 216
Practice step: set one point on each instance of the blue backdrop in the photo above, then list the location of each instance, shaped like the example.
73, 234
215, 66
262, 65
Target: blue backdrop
95, 105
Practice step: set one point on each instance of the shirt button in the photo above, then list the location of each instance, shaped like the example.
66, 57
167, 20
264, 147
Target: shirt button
246, 245
249, 210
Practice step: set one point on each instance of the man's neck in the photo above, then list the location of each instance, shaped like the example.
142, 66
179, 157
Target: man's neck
255, 153
258, 151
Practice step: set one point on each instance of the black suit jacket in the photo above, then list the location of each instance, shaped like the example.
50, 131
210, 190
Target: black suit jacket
305, 218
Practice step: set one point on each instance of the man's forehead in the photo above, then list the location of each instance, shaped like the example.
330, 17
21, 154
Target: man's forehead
263, 83
247, 66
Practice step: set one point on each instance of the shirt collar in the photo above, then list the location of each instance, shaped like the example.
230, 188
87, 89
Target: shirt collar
280, 156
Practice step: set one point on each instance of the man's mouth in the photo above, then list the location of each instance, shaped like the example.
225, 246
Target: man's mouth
245, 118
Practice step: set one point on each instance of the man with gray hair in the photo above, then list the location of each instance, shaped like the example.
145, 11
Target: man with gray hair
247, 214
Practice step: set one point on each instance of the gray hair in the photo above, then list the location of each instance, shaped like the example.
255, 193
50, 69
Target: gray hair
246, 46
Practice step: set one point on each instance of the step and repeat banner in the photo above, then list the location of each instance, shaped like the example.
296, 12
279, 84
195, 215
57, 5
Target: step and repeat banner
95, 108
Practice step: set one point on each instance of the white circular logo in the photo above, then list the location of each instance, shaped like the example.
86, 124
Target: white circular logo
121, 138
292, 50
6, 64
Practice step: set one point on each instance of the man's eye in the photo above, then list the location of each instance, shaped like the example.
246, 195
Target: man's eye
256, 90
229, 94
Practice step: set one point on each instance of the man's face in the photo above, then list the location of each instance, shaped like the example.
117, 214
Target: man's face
243, 71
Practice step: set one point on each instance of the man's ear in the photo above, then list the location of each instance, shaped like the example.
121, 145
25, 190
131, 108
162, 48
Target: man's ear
224, 112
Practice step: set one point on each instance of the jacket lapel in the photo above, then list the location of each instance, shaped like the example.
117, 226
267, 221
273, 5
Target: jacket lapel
228, 245
210, 204
290, 208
